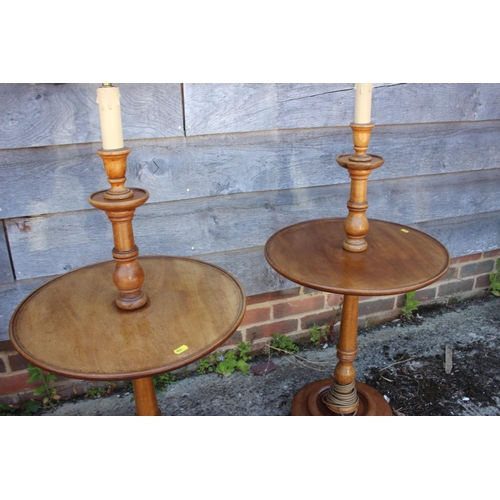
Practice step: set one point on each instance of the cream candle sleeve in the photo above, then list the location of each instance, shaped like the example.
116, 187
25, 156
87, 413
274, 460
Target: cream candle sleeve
108, 100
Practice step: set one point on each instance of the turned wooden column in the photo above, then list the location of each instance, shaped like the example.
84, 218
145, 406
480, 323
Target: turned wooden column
347, 347
119, 203
342, 396
359, 166
146, 404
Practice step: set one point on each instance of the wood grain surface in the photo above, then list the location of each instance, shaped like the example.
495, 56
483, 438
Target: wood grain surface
228, 165
6, 274
36, 181
45, 114
224, 108
57, 243
72, 327
398, 259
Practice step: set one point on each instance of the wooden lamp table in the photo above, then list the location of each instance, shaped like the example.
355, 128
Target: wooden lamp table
398, 260
72, 326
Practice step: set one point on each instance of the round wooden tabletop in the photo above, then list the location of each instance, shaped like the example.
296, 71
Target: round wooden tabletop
72, 327
398, 259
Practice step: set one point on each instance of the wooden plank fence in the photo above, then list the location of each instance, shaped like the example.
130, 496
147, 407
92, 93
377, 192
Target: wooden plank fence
58, 180
43, 114
227, 165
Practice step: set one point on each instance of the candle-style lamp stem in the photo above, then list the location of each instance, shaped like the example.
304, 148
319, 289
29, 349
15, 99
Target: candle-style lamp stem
359, 165
332, 255
342, 396
115, 165
119, 203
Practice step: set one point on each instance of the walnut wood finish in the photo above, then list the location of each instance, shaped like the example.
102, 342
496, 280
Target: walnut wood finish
397, 260
146, 403
75, 325
347, 348
128, 275
72, 326
308, 402
359, 166
115, 165
119, 203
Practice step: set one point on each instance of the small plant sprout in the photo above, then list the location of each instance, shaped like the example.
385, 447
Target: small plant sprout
36, 374
162, 381
494, 287
98, 392
283, 343
411, 305
319, 335
27, 408
226, 363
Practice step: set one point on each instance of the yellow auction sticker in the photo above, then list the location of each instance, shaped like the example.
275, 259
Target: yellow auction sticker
405, 230
180, 349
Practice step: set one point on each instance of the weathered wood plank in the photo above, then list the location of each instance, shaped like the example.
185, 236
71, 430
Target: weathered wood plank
435, 102
57, 243
250, 267
6, 274
44, 114
224, 108
10, 296
466, 235
65, 237
462, 236
213, 108
50, 180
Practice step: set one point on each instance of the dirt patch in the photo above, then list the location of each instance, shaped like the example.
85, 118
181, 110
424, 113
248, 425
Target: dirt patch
422, 387
418, 384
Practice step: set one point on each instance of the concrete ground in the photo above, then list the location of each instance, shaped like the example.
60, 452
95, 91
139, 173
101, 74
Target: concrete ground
404, 362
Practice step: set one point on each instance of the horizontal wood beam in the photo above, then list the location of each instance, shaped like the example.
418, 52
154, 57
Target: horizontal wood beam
227, 108
52, 244
47, 114
52, 180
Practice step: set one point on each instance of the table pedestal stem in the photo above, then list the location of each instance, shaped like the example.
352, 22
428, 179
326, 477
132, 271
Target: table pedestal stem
342, 396
145, 397
398, 260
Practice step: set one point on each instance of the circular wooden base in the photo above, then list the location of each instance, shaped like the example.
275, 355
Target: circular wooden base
308, 401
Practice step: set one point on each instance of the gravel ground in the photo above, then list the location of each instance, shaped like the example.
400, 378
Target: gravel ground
404, 362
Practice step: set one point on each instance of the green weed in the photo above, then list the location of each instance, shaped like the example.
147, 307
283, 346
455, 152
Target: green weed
26, 409
283, 343
205, 366
99, 392
494, 287
326, 333
319, 335
227, 362
162, 381
50, 393
411, 305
